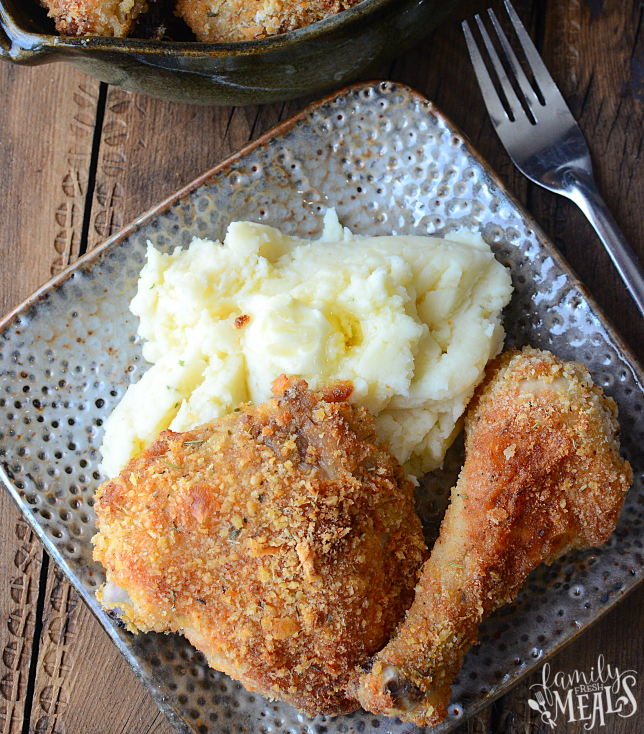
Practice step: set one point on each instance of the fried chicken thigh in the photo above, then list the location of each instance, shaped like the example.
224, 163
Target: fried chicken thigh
281, 541
223, 21
542, 476
94, 17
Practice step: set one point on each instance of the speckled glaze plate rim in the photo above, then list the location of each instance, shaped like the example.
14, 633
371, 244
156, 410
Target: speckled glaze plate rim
204, 179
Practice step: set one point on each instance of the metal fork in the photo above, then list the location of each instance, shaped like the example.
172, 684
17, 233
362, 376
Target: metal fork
549, 148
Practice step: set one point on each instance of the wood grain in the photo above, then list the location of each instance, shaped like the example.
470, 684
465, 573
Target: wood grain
46, 157
42, 199
82, 683
150, 148
19, 579
596, 51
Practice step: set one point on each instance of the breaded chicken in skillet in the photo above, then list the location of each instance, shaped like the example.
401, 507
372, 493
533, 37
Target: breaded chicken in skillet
542, 475
281, 541
94, 17
222, 21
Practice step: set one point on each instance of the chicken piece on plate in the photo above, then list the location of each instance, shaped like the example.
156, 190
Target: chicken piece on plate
94, 17
281, 541
223, 21
542, 475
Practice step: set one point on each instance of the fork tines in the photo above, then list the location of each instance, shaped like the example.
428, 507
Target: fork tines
547, 87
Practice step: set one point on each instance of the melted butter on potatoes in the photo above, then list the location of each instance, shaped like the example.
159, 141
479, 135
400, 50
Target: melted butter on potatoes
410, 321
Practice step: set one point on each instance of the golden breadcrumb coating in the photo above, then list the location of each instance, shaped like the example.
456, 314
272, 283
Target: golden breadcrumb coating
282, 541
94, 17
542, 475
222, 21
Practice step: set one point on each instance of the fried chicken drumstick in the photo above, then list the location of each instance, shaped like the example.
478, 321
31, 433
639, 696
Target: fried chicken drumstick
281, 541
542, 475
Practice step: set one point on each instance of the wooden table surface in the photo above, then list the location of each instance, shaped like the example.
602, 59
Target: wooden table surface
79, 159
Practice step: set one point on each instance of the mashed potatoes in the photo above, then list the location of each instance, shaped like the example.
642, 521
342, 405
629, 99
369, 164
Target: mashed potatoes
411, 321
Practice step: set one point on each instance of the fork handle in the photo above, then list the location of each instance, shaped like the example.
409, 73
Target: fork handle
583, 192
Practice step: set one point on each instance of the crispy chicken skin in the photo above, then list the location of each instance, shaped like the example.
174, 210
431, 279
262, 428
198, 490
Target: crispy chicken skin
542, 475
222, 21
94, 17
281, 541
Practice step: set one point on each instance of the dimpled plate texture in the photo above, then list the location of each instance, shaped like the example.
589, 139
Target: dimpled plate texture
390, 163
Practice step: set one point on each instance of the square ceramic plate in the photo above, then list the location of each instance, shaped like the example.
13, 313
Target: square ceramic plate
389, 162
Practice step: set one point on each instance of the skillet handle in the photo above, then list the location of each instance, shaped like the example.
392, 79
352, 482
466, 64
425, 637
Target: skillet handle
21, 47
4, 45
